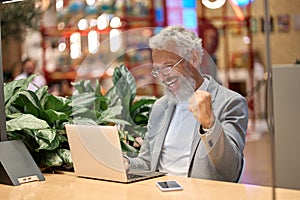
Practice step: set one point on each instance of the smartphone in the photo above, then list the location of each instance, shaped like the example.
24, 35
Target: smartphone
168, 185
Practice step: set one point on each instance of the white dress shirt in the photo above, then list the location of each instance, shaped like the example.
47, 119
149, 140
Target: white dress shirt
175, 155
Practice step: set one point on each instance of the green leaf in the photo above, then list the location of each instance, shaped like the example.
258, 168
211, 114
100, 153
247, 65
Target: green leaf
91, 114
124, 83
46, 134
98, 89
115, 121
13, 115
53, 102
101, 103
83, 100
12, 89
141, 119
65, 155
30, 101
127, 148
141, 103
83, 86
130, 138
112, 97
62, 136
122, 135
51, 115
78, 111
51, 159
140, 111
46, 145
41, 92
26, 121
86, 121
111, 114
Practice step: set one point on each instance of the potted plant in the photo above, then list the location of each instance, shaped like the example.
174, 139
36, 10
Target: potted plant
38, 118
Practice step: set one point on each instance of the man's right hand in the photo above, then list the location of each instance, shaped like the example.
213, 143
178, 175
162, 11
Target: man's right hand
126, 163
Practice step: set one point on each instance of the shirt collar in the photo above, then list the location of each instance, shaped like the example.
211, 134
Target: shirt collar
203, 86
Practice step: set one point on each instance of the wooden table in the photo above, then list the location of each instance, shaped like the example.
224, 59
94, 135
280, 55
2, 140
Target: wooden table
67, 186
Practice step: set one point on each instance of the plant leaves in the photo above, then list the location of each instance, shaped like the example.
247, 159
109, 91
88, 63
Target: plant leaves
13, 115
29, 101
112, 96
111, 115
53, 102
51, 115
101, 103
46, 145
125, 88
127, 148
51, 159
115, 121
65, 155
124, 83
43, 131
83, 100
141, 103
26, 121
86, 121
83, 86
46, 134
78, 111
41, 92
12, 89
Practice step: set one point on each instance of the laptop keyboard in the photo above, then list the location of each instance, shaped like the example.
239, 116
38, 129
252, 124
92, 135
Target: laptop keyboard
133, 176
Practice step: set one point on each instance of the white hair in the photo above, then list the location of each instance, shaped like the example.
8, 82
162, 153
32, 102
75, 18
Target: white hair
178, 40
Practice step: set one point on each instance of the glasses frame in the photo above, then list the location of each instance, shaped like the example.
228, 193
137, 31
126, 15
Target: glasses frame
165, 70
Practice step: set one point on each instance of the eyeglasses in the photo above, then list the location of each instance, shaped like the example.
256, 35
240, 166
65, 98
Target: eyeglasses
165, 70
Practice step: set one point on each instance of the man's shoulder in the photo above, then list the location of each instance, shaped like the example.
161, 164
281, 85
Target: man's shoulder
163, 100
161, 104
220, 91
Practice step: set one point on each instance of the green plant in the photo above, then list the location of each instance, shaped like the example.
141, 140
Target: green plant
38, 118
118, 106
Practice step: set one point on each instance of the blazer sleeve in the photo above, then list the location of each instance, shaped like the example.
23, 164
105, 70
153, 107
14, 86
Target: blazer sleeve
143, 159
221, 148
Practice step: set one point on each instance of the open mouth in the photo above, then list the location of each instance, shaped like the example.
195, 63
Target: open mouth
171, 83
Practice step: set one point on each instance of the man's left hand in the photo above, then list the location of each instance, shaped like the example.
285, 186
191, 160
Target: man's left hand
201, 107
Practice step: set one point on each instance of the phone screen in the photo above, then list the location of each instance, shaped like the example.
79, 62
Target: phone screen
168, 185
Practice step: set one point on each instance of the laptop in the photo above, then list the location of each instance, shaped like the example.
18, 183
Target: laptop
96, 153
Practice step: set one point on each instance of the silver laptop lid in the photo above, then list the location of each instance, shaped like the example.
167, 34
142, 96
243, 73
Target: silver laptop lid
96, 152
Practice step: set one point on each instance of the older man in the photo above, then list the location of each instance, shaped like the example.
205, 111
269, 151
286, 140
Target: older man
197, 129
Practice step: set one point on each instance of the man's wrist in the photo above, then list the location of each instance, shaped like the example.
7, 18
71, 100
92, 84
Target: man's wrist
202, 130
127, 159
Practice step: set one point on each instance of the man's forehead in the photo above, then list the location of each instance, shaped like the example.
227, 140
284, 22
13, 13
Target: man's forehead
156, 54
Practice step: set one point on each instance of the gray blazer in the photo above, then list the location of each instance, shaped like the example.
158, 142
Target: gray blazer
215, 155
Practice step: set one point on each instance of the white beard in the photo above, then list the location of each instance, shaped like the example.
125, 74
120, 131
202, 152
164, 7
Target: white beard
183, 93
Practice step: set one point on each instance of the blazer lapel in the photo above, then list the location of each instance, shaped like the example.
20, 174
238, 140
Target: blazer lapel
161, 128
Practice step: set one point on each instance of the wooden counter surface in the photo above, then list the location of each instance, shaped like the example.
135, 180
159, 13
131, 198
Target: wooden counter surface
68, 186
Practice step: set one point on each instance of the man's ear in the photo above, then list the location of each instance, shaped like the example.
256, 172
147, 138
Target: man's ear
195, 58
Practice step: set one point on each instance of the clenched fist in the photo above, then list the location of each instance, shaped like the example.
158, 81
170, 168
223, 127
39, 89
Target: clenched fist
201, 107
